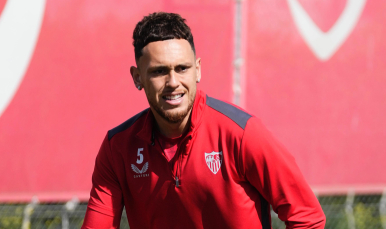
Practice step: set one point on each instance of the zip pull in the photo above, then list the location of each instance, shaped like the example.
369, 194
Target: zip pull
177, 181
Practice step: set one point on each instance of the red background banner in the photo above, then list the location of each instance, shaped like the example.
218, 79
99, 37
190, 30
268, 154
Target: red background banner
330, 114
78, 85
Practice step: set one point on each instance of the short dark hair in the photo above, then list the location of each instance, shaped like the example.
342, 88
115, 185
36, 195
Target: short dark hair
160, 26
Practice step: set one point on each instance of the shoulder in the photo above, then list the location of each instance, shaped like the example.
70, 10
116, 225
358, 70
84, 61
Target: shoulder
127, 124
229, 111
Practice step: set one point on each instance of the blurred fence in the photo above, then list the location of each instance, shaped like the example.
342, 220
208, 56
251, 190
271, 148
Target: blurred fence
342, 212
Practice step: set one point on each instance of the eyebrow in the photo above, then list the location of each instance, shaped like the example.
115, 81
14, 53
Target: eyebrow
185, 65
157, 67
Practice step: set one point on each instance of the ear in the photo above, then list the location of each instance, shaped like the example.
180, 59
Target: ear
198, 70
136, 77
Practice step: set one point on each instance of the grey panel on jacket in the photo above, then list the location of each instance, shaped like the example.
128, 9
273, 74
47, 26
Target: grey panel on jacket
126, 124
238, 116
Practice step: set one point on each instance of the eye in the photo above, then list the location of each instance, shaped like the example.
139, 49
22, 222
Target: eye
182, 69
159, 72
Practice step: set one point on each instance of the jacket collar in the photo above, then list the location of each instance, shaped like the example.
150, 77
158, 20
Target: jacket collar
147, 132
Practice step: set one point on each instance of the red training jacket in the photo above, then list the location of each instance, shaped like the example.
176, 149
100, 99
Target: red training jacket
226, 173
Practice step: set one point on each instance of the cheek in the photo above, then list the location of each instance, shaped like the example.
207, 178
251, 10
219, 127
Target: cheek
192, 85
190, 82
155, 87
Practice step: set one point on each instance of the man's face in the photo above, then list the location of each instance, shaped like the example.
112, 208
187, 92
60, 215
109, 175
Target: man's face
168, 72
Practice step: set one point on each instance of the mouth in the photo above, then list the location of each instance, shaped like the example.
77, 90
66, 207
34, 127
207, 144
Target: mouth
174, 100
173, 97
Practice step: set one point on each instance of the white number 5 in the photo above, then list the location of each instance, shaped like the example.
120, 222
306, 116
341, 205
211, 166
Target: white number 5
140, 155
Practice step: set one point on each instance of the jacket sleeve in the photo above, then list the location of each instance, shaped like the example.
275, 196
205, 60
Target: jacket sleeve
105, 206
268, 166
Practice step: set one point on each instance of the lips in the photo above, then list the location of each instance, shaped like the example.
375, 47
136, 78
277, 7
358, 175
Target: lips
173, 97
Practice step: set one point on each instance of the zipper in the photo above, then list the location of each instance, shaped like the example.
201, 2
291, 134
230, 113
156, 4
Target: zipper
178, 160
177, 174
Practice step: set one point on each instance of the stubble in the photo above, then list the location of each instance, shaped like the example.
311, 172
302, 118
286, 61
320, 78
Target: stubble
173, 117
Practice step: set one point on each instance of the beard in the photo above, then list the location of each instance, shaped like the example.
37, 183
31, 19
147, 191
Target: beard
173, 117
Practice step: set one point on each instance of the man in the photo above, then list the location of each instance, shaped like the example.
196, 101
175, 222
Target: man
191, 161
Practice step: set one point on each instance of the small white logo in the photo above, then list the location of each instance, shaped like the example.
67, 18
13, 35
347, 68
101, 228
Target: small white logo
213, 161
143, 170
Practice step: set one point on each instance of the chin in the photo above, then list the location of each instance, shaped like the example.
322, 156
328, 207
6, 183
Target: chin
172, 115
175, 116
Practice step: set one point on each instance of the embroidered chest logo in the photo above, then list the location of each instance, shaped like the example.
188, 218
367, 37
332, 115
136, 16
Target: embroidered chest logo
213, 161
140, 172
143, 170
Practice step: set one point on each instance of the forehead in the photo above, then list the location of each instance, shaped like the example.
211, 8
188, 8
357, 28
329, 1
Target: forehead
168, 52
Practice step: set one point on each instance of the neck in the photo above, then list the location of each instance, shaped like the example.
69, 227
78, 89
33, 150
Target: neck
172, 130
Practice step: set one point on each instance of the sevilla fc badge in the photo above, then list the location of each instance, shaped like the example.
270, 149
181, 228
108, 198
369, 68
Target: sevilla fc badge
213, 160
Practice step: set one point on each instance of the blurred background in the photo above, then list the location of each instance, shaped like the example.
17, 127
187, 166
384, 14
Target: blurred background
312, 70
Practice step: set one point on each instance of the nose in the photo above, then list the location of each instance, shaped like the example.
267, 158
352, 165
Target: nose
172, 79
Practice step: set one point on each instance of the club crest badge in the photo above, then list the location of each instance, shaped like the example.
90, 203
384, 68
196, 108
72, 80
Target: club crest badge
213, 161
